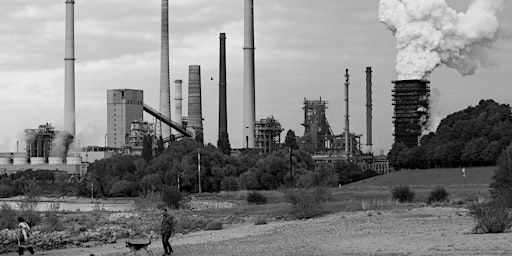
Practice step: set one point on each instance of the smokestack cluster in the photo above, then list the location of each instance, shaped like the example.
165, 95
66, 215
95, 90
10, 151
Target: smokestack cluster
223, 116
430, 33
369, 142
249, 79
178, 100
165, 90
195, 113
69, 69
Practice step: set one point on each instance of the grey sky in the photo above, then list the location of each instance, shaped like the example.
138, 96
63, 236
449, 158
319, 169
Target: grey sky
302, 50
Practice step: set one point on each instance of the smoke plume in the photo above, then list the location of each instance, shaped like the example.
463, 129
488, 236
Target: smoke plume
60, 144
430, 33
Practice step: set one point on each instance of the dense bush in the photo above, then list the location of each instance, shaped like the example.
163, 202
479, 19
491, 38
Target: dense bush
254, 197
214, 225
403, 194
438, 194
491, 217
8, 217
52, 220
6, 191
305, 203
124, 188
500, 185
147, 201
171, 197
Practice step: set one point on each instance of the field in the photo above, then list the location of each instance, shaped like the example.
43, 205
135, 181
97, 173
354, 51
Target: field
357, 219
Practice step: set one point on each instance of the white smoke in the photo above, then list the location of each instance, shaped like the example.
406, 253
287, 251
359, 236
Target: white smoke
430, 33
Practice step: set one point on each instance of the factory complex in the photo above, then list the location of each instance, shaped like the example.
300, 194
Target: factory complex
50, 149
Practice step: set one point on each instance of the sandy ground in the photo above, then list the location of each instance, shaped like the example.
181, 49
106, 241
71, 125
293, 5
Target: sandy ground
416, 231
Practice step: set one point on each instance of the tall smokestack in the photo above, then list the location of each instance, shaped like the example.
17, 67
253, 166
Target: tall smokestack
369, 108
69, 76
223, 119
195, 114
348, 149
165, 90
178, 101
249, 80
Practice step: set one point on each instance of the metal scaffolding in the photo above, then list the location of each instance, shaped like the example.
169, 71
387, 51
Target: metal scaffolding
411, 103
268, 134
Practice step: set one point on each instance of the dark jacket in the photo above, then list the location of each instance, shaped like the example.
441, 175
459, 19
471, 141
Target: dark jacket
167, 223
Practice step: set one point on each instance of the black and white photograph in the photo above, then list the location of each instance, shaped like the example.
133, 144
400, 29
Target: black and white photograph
255, 127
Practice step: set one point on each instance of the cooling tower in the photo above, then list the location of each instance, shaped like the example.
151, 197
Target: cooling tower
178, 101
195, 114
249, 80
369, 108
69, 69
223, 119
165, 90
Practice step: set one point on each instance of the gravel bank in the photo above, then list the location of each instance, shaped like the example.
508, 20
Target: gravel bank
416, 231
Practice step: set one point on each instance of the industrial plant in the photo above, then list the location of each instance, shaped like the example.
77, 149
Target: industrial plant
127, 129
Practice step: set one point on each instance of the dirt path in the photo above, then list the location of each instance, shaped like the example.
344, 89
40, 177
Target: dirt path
418, 231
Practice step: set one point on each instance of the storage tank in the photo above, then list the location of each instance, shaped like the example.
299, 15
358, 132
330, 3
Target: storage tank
5, 161
19, 160
37, 160
55, 160
74, 160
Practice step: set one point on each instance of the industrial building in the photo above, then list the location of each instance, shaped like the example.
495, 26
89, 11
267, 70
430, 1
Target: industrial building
411, 104
268, 135
123, 107
318, 136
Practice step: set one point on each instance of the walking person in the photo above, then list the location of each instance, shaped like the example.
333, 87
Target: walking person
167, 228
24, 242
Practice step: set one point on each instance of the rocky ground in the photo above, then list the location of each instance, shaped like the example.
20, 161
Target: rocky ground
414, 231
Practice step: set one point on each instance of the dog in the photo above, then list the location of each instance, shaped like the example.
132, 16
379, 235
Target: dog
134, 247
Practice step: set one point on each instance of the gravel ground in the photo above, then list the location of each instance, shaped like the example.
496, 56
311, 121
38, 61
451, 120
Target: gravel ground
416, 231
419, 231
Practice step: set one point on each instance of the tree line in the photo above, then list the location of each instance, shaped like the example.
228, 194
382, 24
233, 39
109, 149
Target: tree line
475, 136
177, 166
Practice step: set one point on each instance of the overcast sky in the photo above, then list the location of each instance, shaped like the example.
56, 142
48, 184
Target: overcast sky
302, 50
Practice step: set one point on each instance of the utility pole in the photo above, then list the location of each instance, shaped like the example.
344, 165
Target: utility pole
199, 169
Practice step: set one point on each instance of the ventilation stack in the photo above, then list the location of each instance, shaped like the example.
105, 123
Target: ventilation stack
195, 114
165, 90
369, 142
348, 148
223, 116
178, 100
249, 79
69, 69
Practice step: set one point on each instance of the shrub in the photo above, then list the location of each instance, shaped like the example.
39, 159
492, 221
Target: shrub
8, 217
28, 210
52, 219
438, 194
214, 225
500, 185
403, 194
254, 197
123, 188
491, 217
171, 197
6, 191
305, 203
147, 201
260, 220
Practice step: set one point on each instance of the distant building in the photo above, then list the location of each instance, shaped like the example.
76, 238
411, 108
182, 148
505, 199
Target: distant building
268, 135
123, 107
